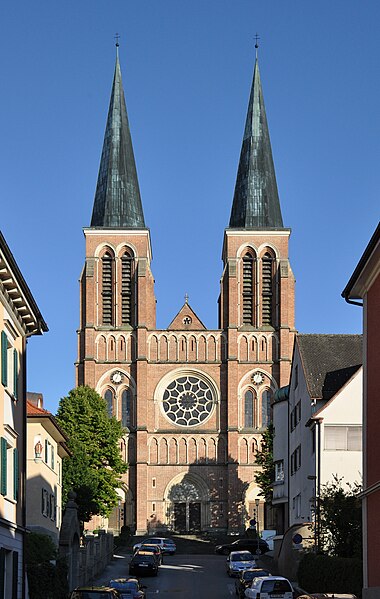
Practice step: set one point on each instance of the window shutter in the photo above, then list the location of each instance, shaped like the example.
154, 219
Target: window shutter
46, 451
4, 358
15, 373
52, 457
3, 482
15, 474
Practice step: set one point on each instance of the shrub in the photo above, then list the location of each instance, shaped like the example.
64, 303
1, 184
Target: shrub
330, 574
45, 578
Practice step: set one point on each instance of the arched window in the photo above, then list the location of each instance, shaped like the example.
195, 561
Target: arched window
250, 410
248, 289
126, 408
126, 289
266, 408
108, 396
107, 289
267, 289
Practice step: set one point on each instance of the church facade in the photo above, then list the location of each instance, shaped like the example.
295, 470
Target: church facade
194, 402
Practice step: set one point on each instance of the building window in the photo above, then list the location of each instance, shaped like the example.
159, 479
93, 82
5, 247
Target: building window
296, 376
126, 288
107, 289
4, 466
126, 408
297, 505
9, 365
279, 471
343, 438
267, 289
248, 289
266, 408
220, 482
153, 483
295, 460
250, 409
108, 396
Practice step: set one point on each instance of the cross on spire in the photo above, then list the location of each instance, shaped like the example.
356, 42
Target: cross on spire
117, 37
186, 298
256, 43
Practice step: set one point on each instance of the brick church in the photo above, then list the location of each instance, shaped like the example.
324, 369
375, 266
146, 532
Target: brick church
194, 402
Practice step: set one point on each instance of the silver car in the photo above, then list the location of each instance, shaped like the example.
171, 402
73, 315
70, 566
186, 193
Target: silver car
238, 561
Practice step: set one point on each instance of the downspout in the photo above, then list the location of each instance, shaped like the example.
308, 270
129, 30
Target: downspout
318, 486
22, 471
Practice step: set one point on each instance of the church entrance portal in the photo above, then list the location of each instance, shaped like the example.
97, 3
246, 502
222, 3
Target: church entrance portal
187, 517
188, 505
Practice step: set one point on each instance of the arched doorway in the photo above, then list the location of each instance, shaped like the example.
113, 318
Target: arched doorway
187, 503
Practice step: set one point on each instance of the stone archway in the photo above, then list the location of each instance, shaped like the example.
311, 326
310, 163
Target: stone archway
187, 504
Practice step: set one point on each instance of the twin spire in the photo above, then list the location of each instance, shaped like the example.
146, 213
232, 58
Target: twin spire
117, 199
256, 203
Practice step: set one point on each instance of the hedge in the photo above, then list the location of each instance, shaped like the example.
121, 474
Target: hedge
329, 574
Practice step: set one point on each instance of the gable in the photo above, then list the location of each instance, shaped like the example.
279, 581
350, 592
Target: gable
186, 320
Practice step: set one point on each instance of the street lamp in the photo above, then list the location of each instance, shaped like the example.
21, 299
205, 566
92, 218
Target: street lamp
257, 503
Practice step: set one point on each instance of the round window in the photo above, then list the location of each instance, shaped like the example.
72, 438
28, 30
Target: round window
188, 401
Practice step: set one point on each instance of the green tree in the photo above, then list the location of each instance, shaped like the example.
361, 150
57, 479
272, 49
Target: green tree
340, 518
96, 465
264, 458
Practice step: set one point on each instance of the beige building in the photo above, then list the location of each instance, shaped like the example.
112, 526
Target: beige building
46, 446
194, 402
20, 318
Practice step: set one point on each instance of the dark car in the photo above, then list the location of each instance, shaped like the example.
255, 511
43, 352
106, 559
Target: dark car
129, 588
153, 549
243, 545
245, 578
95, 593
143, 564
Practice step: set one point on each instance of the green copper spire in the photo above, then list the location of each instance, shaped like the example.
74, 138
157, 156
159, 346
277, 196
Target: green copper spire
256, 203
117, 198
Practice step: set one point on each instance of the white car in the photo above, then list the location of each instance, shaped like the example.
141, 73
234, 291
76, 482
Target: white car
267, 587
166, 545
238, 561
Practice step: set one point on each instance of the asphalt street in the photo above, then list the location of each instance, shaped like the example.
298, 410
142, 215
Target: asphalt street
180, 577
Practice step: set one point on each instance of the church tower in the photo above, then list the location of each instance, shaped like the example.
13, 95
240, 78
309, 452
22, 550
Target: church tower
257, 295
194, 402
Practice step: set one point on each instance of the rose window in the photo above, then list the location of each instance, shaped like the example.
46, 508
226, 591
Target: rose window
188, 401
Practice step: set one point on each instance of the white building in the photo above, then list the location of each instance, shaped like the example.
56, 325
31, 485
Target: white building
318, 424
20, 318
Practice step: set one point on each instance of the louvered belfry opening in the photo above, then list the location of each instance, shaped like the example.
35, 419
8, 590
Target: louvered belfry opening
107, 289
248, 289
126, 289
267, 289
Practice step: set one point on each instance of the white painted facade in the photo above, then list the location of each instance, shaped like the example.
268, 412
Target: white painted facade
315, 440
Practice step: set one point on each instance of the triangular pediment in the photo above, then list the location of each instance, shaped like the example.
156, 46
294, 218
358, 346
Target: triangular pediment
186, 320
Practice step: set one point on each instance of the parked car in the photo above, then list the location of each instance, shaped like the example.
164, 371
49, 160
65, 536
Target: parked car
268, 536
153, 549
129, 588
95, 593
143, 564
241, 545
245, 579
267, 587
238, 561
168, 546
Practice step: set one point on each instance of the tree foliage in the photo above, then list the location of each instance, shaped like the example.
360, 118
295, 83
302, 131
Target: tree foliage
264, 458
341, 518
94, 469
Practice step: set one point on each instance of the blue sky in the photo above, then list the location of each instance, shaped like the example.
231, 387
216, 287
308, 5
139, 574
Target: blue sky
187, 69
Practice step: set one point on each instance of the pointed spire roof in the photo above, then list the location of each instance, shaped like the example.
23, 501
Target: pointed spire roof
256, 203
117, 199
